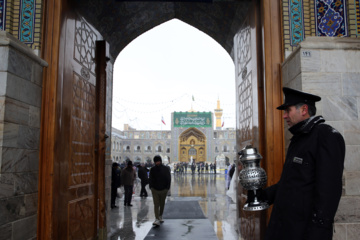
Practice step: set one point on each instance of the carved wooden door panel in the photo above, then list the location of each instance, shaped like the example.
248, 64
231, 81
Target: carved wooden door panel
247, 54
76, 207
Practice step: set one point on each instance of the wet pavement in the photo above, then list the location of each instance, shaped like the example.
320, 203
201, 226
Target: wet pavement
198, 208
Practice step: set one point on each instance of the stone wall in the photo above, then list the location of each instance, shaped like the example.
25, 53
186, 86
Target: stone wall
329, 67
20, 107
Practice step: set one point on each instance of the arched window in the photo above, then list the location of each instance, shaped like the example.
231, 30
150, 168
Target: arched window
192, 151
183, 150
137, 149
148, 149
158, 148
127, 148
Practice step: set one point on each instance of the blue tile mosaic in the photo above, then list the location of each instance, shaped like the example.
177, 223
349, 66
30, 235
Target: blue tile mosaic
2, 14
296, 22
27, 18
331, 18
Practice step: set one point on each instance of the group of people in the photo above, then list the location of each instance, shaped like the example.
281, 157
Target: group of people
122, 177
181, 168
203, 168
158, 178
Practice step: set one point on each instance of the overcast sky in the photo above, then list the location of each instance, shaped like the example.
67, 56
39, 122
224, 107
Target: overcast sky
172, 67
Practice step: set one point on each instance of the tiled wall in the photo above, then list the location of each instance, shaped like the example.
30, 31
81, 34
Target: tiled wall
305, 18
328, 67
22, 19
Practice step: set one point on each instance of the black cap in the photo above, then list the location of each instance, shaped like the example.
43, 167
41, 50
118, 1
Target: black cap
293, 97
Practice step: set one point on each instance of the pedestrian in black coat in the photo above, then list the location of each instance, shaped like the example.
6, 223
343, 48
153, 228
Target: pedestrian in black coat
115, 182
143, 175
128, 176
307, 196
159, 183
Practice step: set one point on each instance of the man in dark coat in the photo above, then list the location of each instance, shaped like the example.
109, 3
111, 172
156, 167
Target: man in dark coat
143, 175
115, 182
159, 183
307, 196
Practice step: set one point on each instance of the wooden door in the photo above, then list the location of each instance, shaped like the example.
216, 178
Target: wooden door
75, 164
250, 110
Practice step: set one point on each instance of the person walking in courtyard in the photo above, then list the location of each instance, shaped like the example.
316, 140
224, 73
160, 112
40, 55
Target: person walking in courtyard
143, 175
193, 167
159, 183
128, 176
307, 195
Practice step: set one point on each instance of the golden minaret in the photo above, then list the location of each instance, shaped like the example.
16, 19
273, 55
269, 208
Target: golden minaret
218, 115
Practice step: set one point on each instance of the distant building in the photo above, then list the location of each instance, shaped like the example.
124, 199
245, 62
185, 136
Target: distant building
192, 139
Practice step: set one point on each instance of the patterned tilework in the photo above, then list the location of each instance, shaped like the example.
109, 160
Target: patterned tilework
309, 18
12, 17
286, 25
351, 16
357, 14
296, 22
314, 11
37, 26
2, 14
331, 18
23, 20
26, 33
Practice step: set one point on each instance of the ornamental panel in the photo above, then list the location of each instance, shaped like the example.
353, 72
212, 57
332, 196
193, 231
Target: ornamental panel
331, 18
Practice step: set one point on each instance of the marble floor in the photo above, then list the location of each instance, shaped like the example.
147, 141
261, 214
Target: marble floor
219, 219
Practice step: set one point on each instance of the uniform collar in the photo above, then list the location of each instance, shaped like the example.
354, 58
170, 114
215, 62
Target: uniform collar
306, 125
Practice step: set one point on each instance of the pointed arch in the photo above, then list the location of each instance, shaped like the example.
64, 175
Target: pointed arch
192, 146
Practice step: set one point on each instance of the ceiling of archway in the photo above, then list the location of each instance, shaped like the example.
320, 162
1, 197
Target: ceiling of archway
120, 22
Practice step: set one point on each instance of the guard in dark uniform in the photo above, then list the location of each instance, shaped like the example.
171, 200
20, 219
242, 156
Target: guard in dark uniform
307, 196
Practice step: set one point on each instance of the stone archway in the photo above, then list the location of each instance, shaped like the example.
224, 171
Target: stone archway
192, 146
119, 22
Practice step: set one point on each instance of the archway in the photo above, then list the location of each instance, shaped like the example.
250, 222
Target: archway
119, 23
192, 145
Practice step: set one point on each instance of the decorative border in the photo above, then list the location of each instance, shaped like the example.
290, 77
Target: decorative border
296, 22
84, 51
27, 21
357, 14
331, 18
2, 14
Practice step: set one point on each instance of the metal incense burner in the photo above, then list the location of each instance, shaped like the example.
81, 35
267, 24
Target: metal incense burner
252, 176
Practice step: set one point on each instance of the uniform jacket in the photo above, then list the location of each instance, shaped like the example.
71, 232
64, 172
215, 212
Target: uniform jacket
159, 177
307, 196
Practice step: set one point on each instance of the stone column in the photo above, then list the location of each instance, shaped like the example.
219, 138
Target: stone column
329, 67
20, 103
